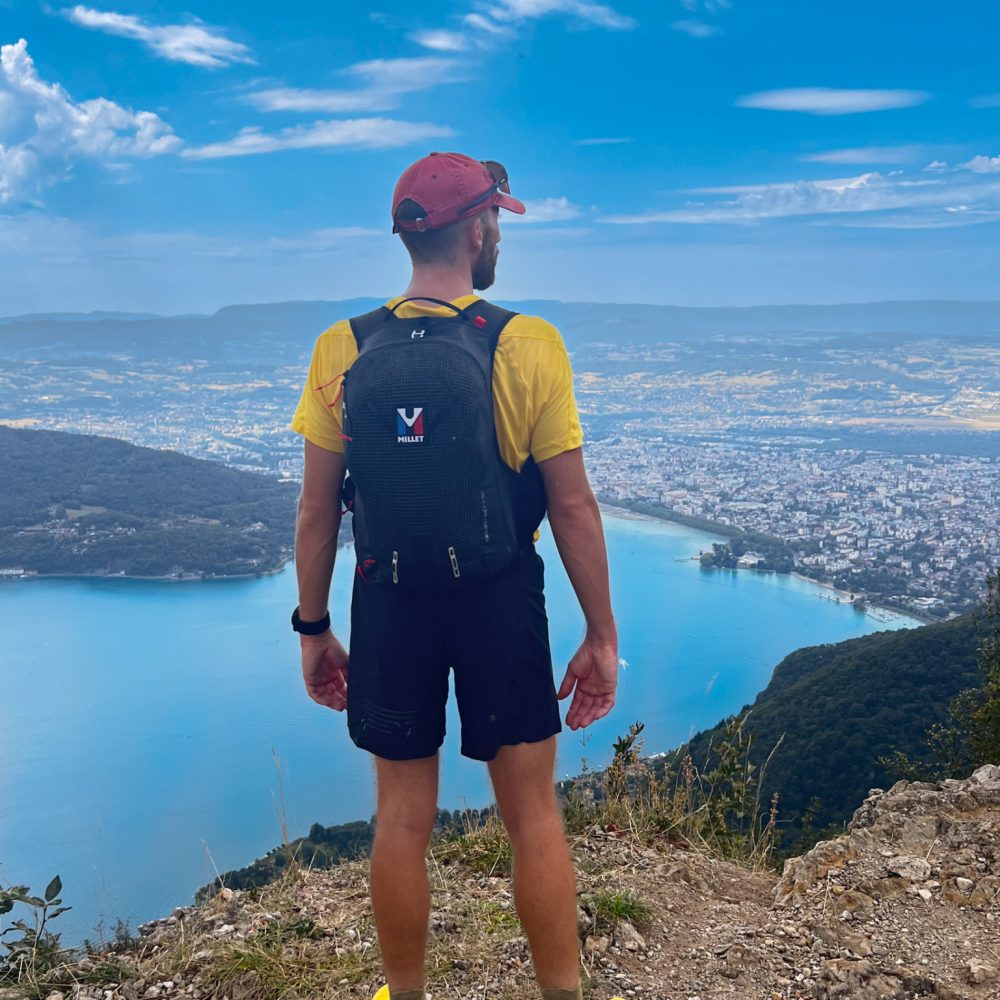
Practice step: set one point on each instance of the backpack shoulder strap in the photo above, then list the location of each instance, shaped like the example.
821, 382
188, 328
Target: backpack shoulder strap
491, 319
364, 326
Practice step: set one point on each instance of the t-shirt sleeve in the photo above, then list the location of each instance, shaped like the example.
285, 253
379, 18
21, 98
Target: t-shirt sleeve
556, 426
319, 417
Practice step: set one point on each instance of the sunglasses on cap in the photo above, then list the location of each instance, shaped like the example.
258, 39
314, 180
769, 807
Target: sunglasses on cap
501, 182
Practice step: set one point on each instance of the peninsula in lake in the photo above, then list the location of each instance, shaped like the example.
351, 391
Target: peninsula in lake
76, 504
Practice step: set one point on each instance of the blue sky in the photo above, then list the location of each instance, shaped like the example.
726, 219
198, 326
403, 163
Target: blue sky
177, 158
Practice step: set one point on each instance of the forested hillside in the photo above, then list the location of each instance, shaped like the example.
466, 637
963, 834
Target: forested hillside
841, 706
79, 504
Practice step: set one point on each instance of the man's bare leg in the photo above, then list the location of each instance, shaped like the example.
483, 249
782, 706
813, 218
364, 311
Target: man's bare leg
401, 898
523, 779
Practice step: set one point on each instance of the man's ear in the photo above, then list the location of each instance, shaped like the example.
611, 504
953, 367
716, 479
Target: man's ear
477, 234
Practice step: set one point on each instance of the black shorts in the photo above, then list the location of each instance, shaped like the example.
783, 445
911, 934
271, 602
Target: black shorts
494, 636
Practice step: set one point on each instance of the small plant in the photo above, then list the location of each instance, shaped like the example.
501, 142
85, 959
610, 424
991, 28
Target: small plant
733, 825
286, 931
624, 763
495, 918
611, 908
486, 848
28, 950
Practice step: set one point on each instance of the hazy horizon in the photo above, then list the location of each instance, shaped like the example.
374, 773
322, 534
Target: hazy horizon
116, 314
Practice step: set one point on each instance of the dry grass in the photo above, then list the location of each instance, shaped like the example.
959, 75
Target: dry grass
716, 811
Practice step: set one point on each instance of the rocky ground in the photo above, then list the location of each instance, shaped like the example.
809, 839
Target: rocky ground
905, 905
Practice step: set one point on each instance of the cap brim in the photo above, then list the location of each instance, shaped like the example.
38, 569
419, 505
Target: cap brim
510, 203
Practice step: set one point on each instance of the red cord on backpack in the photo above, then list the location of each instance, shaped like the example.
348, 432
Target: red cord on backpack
340, 391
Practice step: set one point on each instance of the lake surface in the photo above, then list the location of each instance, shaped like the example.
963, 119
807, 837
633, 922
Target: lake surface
150, 731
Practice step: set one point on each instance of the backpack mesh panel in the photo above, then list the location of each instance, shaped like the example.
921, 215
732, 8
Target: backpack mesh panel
420, 498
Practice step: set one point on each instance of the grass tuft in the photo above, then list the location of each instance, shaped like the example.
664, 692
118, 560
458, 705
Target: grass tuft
611, 908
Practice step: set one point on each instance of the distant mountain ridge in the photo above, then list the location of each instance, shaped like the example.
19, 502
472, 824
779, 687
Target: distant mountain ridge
98, 315
580, 322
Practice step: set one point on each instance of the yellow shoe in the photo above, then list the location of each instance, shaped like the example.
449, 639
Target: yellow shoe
383, 993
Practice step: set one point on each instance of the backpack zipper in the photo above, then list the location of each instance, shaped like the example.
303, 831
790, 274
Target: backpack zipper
395, 567
454, 561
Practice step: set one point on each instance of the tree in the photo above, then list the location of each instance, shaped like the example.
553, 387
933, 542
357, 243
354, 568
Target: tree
981, 708
970, 735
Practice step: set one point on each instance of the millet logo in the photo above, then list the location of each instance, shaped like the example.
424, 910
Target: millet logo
410, 425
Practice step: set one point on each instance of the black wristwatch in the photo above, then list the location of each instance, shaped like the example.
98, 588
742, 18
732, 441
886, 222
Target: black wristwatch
310, 628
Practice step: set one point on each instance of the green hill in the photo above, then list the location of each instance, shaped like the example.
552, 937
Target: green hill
841, 706
80, 504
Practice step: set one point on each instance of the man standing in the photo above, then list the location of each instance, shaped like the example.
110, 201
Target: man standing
493, 632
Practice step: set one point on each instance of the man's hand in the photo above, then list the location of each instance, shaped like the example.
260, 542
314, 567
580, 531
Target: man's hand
324, 670
593, 671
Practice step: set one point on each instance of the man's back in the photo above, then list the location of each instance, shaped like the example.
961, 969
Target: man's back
534, 406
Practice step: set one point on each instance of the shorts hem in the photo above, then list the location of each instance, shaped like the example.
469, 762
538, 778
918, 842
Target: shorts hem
484, 755
395, 753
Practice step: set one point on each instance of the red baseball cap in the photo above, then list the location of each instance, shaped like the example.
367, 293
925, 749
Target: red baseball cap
449, 187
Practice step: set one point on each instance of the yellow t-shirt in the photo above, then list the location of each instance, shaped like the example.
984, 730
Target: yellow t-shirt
533, 403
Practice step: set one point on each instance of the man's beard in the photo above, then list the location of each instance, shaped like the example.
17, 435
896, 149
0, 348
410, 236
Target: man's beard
484, 271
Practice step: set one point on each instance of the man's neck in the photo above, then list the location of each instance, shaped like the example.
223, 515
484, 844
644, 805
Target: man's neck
439, 283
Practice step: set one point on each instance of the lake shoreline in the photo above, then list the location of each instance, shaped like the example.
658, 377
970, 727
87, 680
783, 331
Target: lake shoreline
186, 578
649, 513
654, 514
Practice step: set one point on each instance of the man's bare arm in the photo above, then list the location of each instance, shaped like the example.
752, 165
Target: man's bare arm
575, 520
324, 660
317, 526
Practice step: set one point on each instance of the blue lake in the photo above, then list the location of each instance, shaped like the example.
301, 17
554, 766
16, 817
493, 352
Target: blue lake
144, 726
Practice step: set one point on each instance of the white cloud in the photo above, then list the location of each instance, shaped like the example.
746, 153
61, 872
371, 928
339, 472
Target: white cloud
696, 29
867, 154
986, 101
480, 23
384, 81
952, 217
18, 174
193, 43
708, 6
353, 133
495, 20
498, 18
936, 199
333, 102
318, 240
440, 40
43, 131
401, 76
594, 13
828, 101
703, 11
982, 165
545, 210
610, 141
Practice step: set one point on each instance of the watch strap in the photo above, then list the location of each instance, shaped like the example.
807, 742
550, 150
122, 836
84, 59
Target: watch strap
310, 628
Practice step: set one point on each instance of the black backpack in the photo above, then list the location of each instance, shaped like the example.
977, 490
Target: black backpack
435, 506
